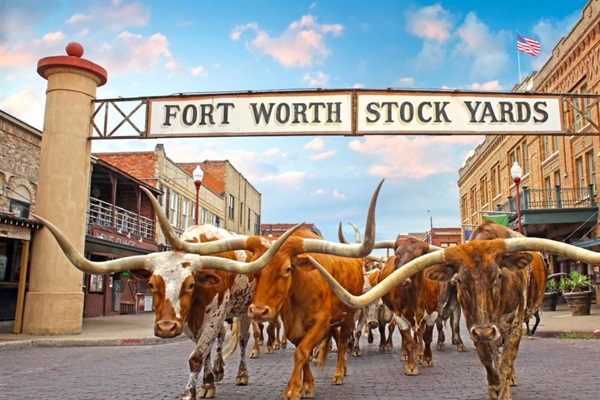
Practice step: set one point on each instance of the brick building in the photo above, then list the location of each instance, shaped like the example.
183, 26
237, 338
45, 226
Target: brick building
559, 184
19, 160
241, 209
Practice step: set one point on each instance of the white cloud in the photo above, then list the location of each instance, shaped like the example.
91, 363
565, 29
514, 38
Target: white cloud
301, 45
316, 79
492, 86
406, 82
412, 157
323, 156
430, 23
134, 52
315, 144
274, 151
338, 195
199, 71
116, 15
484, 47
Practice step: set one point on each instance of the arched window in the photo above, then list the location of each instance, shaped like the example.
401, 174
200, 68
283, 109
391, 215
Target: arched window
20, 201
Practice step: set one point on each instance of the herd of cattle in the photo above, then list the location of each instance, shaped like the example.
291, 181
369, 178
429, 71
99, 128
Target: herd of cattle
323, 291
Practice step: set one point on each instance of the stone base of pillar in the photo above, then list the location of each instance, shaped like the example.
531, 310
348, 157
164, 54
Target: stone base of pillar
53, 313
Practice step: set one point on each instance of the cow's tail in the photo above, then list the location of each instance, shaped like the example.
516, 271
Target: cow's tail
323, 351
234, 339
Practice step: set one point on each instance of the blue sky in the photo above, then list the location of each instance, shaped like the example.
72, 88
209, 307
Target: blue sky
152, 48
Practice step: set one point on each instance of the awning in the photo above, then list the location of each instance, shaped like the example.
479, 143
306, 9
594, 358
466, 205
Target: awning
587, 243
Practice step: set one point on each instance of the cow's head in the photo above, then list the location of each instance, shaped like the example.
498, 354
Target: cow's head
485, 276
174, 275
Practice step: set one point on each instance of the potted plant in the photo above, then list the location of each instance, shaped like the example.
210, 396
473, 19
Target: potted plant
551, 296
576, 289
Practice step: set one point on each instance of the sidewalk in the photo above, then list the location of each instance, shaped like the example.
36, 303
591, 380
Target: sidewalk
138, 329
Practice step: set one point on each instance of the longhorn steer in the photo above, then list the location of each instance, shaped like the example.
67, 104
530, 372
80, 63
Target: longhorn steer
414, 302
179, 281
498, 283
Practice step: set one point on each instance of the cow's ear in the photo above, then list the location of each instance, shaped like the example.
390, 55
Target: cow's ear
440, 272
206, 278
141, 274
516, 260
301, 261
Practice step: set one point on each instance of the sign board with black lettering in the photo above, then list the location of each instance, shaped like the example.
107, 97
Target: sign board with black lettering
353, 113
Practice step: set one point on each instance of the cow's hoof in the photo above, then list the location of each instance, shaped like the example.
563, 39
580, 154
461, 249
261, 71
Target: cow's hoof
411, 370
419, 358
514, 381
308, 393
241, 380
357, 353
284, 345
337, 380
427, 362
276, 346
461, 348
403, 357
255, 354
269, 350
207, 392
440, 346
493, 392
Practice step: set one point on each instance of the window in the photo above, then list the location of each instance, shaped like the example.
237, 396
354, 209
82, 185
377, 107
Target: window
19, 208
248, 218
185, 213
496, 180
580, 172
557, 178
590, 169
465, 209
546, 151
548, 192
241, 213
204, 216
484, 191
173, 205
256, 224
231, 206
473, 200
525, 158
581, 109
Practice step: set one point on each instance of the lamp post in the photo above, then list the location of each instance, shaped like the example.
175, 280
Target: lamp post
516, 172
198, 175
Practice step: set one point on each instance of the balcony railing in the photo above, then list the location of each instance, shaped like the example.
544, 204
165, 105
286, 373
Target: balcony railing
101, 213
541, 199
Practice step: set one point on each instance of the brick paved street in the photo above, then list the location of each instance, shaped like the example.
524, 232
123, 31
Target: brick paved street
547, 369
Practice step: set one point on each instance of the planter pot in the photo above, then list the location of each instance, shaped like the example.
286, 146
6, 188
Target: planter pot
579, 302
598, 293
549, 302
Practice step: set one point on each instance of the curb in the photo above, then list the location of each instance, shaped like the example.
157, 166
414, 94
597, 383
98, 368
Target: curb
24, 344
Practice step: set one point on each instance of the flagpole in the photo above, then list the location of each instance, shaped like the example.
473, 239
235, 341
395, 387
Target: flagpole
519, 61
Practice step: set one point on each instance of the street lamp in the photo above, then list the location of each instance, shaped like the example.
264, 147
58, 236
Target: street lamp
198, 175
516, 172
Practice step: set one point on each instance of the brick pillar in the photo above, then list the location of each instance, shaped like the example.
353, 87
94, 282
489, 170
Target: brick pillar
54, 301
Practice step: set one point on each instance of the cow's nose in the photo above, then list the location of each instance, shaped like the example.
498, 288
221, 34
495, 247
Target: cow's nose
259, 313
167, 329
373, 324
483, 333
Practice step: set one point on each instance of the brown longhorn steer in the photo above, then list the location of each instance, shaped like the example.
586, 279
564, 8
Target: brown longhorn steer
191, 292
414, 302
498, 284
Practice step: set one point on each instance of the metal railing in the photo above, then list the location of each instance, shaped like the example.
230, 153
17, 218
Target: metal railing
101, 213
558, 197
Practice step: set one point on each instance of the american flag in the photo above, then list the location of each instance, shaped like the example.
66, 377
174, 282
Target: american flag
528, 45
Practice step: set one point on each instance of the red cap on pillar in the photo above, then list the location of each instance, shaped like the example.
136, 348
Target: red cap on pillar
72, 59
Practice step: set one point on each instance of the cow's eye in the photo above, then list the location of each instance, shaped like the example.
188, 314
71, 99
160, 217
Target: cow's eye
288, 270
191, 286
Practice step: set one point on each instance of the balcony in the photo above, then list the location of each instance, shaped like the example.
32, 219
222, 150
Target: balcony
553, 212
124, 222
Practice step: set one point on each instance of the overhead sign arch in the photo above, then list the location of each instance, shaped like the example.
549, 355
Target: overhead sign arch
354, 112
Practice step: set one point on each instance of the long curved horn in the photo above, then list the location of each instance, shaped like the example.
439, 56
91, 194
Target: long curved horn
553, 247
216, 246
341, 236
85, 265
389, 244
551, 276
240, 267
382, 287
348, 250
